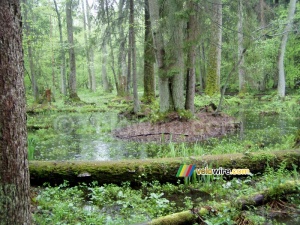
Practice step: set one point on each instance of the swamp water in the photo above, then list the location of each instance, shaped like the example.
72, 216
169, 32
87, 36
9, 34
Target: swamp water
88, 136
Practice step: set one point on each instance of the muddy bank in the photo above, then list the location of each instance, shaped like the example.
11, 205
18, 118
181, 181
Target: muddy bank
204, 126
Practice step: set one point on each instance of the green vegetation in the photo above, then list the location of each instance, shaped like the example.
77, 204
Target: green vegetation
218, 197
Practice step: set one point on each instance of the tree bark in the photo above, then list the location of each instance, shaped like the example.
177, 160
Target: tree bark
104, 72
27, 30
214, 57
122, 75
90, 48
164, 88
262, 20
86, 45
136, 107
149, 80
62, 53
14, 172
241, 70
72, 61
163, 169
191, 74
281, 75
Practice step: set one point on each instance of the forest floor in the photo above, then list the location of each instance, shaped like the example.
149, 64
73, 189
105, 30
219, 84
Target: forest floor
205, 125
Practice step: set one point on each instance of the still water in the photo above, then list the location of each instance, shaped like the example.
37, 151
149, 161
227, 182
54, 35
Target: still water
89, 136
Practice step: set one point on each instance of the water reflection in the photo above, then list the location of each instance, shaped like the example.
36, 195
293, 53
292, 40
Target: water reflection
87, 136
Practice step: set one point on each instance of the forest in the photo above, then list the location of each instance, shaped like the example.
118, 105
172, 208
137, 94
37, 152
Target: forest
149, 112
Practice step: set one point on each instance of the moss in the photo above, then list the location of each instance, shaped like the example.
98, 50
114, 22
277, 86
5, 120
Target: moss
163, 170
185, 217
212, 86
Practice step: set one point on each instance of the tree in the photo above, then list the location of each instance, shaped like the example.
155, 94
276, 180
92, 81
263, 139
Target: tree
281, 75
72, 61
191, 71
214, 55
133, 51
14, 172
149, 80
88, 47
241, 70
62, 53
168, 43
29, 35
105, 82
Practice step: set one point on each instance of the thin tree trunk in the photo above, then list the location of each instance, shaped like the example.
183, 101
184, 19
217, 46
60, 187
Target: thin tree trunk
27, 30
62, 53
149, 81
122, 53
104, 72
281, 75
129, 63
14, 172
133, 48
262, 13
191, 76
52, 55
86, 45
72, 61
241, 70
90, 48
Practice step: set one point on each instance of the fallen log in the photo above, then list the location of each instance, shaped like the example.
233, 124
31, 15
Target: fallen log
260, 198
161, 169
241, 203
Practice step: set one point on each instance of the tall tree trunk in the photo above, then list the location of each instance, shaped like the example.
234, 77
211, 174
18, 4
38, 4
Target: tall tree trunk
14, 172
241, 70
262, 13
90, 48
122, 75
86, 45
214, 60
27, 29
164, 88
175, 56
149, 80
62, 53
281, 75
72, 77
129, 63
133, 48
191, 60
52, 55
104, 72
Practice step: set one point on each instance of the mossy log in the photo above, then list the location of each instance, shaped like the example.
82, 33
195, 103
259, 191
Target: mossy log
275, 192
242, 203
163, 169
181, 218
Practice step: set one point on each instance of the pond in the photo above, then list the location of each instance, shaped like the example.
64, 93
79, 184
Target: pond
88, 136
